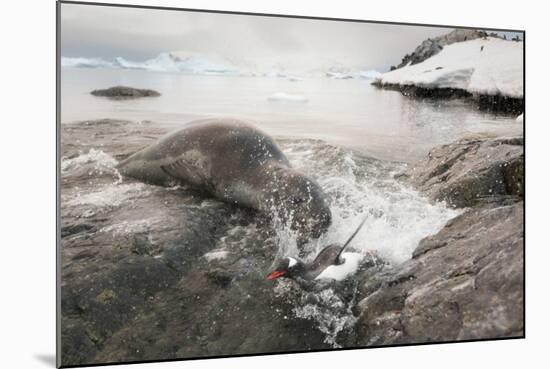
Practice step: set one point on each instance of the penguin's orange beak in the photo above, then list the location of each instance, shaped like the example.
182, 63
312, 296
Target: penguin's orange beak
276, 274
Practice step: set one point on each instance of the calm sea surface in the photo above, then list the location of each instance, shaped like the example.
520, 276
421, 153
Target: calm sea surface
350, 113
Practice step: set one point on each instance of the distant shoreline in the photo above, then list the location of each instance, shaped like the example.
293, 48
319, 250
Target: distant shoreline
496, 103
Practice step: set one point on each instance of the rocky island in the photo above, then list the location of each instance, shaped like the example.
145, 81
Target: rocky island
124, 92
484, 68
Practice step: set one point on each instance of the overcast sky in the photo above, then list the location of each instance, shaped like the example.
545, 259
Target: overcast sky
139, 34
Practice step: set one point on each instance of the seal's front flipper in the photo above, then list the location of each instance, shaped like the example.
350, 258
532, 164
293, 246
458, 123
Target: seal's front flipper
182, 170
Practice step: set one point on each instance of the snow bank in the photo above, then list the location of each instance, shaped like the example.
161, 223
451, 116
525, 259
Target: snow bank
488, 67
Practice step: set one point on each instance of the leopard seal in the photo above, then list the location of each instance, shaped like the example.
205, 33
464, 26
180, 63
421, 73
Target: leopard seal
235, 162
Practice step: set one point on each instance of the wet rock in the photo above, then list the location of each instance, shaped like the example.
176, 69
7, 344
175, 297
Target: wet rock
137, 291
76, 228
136, 284
220, 277
124, 92
465, 282
473, 171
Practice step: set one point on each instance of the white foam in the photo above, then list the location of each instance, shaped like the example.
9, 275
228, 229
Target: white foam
216, 255
331, 314
111, 195
127, 227
98, 158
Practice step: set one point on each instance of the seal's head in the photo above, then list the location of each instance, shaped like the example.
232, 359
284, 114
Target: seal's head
304, 206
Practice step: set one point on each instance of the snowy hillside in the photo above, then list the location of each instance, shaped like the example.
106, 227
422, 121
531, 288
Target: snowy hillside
489, 66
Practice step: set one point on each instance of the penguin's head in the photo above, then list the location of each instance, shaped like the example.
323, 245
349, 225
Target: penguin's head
287, 267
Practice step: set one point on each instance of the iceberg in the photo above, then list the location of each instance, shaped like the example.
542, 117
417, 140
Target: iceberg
369, 74
86, 63
174, 62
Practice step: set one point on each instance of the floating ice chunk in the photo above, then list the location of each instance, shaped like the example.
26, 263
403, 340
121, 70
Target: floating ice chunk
282, 96
340, 272
293, 79
339, 75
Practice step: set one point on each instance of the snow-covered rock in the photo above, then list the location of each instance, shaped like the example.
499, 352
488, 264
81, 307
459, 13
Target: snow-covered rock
489, 66
432, 46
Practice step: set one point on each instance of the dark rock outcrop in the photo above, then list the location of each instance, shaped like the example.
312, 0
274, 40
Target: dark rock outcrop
492, 103
473, 171
124, 92
465, 282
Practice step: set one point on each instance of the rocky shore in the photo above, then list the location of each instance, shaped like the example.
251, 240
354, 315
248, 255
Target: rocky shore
465, 282
160, 290
492, 103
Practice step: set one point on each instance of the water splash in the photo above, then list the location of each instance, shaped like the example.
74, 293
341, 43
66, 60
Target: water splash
98, 159
331, 313
398, 217
112, 195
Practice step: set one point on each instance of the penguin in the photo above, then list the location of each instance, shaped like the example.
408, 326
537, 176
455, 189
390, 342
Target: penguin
294, 268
